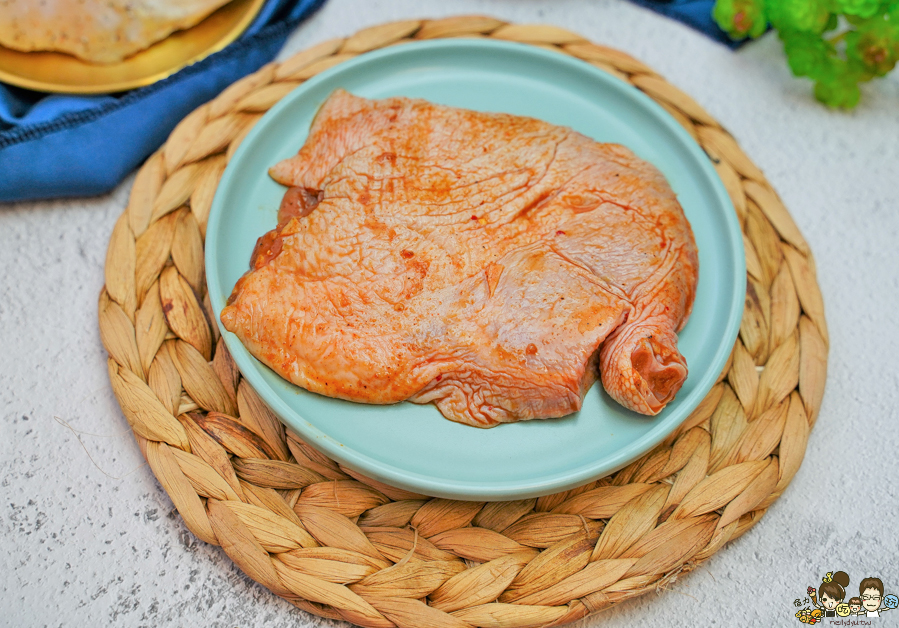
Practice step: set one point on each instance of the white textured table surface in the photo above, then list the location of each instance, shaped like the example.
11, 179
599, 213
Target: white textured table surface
89, 538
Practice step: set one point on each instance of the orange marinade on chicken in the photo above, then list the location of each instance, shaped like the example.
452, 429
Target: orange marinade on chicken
490, 264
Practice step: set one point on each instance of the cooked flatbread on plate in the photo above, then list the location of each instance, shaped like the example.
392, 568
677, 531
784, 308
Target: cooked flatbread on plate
97, 31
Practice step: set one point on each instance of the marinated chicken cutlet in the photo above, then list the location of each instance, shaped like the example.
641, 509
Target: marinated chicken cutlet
490, 264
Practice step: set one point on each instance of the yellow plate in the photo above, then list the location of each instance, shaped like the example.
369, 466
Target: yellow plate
58, 72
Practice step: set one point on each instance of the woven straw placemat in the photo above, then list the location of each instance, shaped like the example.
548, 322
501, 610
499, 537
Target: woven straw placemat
342, 546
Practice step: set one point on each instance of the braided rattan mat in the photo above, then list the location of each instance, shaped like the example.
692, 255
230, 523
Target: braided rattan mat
341, 546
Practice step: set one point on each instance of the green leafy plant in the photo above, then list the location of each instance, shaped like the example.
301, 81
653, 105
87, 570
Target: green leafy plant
836, 43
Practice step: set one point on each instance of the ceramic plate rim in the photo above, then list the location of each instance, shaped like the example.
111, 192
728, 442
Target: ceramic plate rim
496, 490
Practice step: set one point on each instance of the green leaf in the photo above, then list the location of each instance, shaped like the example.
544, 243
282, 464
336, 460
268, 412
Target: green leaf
741, 18
838, 94
805, 16
808, 54
861, 8
874, 46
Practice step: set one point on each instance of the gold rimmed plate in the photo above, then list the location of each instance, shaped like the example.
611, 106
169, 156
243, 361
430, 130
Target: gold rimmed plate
63, 73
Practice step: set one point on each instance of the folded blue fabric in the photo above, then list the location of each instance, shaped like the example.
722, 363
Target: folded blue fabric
61, 145
694, 13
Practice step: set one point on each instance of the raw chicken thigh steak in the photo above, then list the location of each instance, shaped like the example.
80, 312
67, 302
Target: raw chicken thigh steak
488, 263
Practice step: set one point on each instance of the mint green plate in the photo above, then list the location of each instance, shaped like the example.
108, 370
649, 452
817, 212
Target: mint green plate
413, 446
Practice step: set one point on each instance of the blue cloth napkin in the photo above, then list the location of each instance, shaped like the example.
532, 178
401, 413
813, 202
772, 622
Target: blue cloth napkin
694, 13
60, 145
